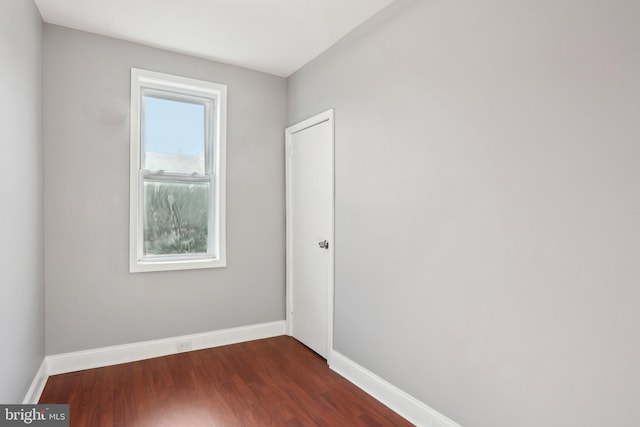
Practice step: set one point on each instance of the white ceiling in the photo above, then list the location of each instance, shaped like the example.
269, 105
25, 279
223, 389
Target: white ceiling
274, 36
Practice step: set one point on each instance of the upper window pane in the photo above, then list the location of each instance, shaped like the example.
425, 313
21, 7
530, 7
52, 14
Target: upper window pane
174, 135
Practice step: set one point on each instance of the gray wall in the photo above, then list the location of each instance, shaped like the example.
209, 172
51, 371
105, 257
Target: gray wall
21, 257
92, 299
488, 205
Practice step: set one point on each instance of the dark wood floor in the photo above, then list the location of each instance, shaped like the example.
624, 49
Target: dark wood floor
271, 382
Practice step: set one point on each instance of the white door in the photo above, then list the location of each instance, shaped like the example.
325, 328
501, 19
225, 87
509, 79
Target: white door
310, 232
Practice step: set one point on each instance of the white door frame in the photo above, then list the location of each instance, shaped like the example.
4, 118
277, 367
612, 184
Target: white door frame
312, 121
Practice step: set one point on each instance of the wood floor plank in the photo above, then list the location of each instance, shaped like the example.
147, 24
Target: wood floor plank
264, 383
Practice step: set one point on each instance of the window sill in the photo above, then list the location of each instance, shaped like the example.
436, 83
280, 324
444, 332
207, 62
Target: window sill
137, 266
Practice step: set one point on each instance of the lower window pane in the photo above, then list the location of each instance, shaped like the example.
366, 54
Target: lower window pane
175, 218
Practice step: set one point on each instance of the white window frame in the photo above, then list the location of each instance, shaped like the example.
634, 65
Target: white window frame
214, 98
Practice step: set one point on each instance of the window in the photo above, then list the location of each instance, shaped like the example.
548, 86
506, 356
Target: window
177, 178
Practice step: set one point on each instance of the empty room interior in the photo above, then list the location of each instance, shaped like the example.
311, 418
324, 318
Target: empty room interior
476, 166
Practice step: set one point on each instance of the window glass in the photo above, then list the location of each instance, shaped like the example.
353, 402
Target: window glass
174, 135
176, 218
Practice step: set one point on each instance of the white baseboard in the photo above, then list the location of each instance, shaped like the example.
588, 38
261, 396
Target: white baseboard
405, 405
106, 356
37, 385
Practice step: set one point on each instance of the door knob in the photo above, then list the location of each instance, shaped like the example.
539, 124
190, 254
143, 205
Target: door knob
324, 244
